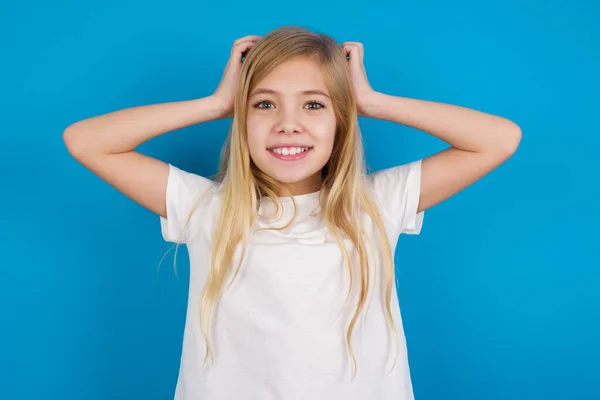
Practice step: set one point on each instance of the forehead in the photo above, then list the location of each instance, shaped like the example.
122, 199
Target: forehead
295, 75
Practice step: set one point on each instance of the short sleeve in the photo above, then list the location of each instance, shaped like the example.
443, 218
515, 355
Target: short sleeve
397, 191
183, 190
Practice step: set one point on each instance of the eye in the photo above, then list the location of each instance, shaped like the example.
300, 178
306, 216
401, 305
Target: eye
263, 104
315, 105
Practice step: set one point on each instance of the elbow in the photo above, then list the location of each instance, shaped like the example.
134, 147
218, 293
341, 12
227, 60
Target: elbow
505, 144
72, 139
510, 140
69, 136
514, 138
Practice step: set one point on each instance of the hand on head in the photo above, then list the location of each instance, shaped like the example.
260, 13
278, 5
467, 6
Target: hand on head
226, 90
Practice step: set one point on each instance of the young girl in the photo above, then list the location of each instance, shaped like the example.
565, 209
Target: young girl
292, 289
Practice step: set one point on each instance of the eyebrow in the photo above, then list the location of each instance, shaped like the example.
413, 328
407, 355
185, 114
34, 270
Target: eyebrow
271, 91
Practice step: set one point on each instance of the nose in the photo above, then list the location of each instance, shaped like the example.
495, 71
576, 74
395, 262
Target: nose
289, 121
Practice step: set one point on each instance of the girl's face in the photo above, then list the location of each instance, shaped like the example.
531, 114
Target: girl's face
291, 125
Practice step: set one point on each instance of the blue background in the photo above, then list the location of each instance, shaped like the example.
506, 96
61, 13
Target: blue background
499, 293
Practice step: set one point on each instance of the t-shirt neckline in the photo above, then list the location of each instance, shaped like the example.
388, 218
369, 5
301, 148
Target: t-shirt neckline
302, 198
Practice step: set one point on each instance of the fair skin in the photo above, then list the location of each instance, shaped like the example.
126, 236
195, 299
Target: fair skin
292, 105
479, 142
106, 144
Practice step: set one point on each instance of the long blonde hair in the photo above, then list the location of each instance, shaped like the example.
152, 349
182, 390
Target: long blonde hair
343, 195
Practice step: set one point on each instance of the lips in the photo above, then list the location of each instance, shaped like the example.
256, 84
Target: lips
281, 145
281, 155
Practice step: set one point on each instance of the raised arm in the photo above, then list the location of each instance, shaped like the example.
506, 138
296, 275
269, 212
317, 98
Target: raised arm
479, 142
106, 144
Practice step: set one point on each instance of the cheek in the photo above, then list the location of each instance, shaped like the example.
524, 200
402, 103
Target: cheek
254, 127
254, 143
324, 133
257, 139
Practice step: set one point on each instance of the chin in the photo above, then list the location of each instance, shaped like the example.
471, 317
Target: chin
290, 177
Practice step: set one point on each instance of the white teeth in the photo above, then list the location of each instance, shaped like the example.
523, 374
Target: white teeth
290, 150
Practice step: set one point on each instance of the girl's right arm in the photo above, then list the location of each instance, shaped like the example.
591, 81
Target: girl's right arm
106, 144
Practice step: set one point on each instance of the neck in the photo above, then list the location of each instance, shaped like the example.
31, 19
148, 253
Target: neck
309, 185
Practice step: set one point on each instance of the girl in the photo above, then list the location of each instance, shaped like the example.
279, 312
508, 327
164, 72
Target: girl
292, 290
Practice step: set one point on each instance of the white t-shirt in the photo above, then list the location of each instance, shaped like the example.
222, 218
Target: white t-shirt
279, 332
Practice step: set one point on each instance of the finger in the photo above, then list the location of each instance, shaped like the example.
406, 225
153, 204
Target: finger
249, 37
350, 49
240, 51
355, 49
357, 45
242, 47
353, 53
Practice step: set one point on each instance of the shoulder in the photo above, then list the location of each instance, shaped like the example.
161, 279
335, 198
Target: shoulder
397, 190
184, 187
187, 193
189, 180
403, 175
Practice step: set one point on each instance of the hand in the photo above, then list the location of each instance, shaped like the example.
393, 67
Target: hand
360, 82
225, 92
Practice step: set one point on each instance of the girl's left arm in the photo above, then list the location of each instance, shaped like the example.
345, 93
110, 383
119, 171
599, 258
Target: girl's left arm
479, 142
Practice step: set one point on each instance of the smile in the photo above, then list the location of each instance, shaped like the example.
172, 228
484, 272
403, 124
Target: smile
290, 153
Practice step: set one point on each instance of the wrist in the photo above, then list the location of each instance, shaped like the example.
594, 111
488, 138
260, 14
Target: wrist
216, 106
371, 103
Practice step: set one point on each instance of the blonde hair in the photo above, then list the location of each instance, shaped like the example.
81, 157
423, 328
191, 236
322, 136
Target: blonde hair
343, 195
